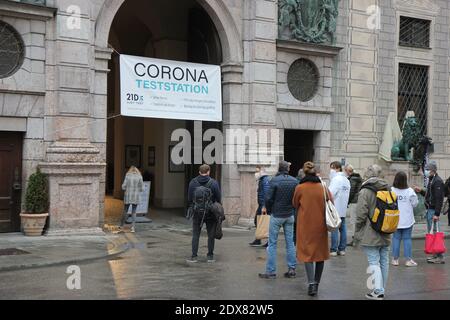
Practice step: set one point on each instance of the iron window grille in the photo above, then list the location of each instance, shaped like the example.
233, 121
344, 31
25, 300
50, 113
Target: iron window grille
413, 94
303, 79
12, 50
414, 32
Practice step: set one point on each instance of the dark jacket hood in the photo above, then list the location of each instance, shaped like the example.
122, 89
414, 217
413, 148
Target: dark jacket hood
203, 179
355, 176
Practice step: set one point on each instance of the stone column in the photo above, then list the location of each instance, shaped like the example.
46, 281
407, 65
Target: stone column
234, 114
259, 94
74, 128
361, 142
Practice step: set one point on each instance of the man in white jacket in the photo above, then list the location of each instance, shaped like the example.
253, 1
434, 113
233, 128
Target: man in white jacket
340, 188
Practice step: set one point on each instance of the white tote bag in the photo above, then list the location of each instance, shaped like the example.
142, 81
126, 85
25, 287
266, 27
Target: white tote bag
332, 218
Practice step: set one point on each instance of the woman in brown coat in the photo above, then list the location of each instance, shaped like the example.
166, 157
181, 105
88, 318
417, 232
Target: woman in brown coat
312, 233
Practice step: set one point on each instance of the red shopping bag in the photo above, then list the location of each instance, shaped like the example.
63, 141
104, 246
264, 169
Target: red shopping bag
439, 243
429, 242
435, 242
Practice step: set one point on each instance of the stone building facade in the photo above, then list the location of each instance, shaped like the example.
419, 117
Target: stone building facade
58, 98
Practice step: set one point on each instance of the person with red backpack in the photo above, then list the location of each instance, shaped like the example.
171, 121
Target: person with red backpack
203, 192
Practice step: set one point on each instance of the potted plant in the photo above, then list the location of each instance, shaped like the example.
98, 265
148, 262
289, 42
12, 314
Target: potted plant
36, 205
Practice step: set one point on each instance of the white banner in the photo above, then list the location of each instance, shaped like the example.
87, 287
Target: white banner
154, 88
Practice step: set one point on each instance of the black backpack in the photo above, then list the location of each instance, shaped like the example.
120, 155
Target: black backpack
202, 201
447, 188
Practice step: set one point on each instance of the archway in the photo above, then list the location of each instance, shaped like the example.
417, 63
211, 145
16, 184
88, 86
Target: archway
216, 9
164, 29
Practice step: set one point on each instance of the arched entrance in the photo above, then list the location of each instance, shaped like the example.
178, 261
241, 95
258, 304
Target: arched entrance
164, 29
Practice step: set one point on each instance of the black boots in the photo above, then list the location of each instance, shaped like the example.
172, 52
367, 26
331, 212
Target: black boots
313, 289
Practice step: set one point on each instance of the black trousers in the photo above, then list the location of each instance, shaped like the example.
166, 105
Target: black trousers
196, 231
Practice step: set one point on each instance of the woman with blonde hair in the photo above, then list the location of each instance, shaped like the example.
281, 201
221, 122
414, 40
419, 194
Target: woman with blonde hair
133, 186
312, 232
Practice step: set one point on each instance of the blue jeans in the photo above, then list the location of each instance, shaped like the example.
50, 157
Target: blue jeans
430, 215
405, 235
378, 258
336, 243
133, 214
274, 229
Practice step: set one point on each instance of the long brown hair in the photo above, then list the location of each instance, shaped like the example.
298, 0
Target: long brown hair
401, 180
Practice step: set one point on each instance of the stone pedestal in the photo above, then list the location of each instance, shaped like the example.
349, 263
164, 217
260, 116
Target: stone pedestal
392, 168
74, 175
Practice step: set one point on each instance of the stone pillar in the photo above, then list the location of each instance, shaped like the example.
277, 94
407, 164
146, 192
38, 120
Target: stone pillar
234, 113
74, 128
361, 142
258, 110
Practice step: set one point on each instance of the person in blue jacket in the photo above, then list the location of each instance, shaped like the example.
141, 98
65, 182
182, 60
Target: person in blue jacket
263, 180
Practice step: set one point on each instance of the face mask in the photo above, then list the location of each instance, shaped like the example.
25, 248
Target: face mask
427, 173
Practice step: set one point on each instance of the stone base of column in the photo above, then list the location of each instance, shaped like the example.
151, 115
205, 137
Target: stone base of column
75, 197
232, 209
75, 232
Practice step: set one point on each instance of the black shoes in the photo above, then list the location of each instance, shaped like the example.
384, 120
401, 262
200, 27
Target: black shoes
266, 245
192, 260
267, 276
313, 289
290, 274
256, 243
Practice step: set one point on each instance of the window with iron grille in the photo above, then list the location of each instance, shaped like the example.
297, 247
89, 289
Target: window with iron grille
11, 50
414, 32
413, 93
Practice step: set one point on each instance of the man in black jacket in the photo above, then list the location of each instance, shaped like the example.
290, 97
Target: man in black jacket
434, 199
279, 206
355, 186
198, 219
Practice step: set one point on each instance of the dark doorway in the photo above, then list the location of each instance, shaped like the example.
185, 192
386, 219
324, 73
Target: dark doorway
10, 177
298, 148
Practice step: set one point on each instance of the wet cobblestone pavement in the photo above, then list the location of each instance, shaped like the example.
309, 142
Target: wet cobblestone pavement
154, 267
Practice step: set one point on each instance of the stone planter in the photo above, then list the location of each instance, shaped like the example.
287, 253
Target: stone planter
33, 224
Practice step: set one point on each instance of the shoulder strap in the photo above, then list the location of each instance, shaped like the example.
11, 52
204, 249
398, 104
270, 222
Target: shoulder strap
325, 195
209, 183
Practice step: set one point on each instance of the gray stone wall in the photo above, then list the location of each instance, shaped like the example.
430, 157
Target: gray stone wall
339, 88
22, 95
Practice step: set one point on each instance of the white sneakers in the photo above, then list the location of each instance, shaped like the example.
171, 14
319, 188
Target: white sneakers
409, 263
335, 254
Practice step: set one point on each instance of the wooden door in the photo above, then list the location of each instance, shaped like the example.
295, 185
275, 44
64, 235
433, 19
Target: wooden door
10, 180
